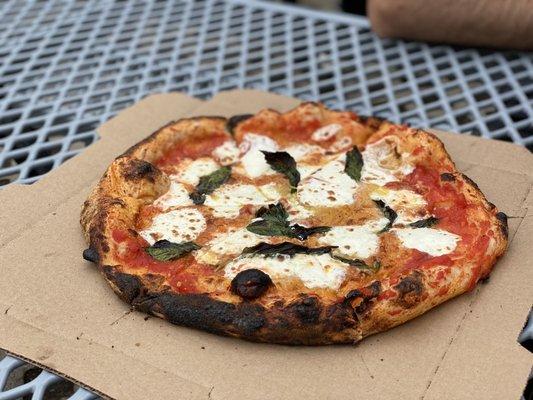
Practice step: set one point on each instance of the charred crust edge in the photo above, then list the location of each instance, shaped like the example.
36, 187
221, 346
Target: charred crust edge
304, 321
235, 120
504, 226
473, 184
91, 254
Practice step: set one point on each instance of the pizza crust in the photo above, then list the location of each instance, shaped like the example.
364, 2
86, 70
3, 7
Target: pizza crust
132, 181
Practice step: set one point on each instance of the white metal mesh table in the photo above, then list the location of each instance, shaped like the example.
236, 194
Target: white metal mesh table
68, 66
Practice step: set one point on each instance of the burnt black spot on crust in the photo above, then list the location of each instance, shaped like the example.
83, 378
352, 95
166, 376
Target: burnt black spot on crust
502, 217
200, 311
129, 286
90, 254
139, 169
236, 120
339, 317
447, 177
410, 289
98, 239
306, 310
361, 299
250, 283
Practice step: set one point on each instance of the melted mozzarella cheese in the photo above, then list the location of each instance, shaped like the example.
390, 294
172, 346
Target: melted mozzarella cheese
177, 196
191, 171
373, 170
301, 151
227, 200
409, 205
315, 271
328, 186
296, 211
227, 153
253, 161
340, 144
326, 132
230, 243
435, 242
306, 169
355, 241
177, 226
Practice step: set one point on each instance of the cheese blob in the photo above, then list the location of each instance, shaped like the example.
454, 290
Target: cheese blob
300, 151
326, 132
408, 205
253, 161
227, 200
227, 153
355, 241
342, 143
191, 171
435, 242
315, 271
183, 225
328, 186
177, 196
230, 243
375, 158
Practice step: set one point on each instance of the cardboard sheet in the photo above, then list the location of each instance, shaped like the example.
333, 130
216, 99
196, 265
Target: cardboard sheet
56, 309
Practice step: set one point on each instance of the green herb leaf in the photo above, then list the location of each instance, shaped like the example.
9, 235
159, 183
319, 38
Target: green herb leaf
302, 232
208, 183
285, 248
164, 250
274, 222
376, 265
388, 213
275, 213
282, 162
353, 262
354, 164
424, 223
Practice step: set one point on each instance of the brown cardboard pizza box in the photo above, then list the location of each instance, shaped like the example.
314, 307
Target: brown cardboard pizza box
58, 312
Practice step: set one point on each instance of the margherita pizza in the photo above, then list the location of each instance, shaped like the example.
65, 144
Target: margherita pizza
308, 227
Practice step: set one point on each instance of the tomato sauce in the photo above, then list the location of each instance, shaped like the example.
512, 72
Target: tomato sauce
181, 273
450, 206
193, 148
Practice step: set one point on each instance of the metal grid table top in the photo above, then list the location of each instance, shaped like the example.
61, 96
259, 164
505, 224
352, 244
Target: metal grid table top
68, 66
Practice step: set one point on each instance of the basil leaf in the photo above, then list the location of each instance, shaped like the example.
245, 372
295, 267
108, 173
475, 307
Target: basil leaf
352, 262
376, 265
424, 223
266, 228
388, 213
208, 183
273, 213
274, 223
302, 232
354, 164
164, 250
285, 248
282, 162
